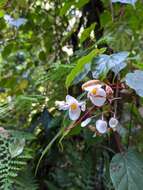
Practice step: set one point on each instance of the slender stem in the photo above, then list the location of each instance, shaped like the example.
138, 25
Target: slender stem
130, 126
118, 142
112, 10
116, 135
48, 148
116, 96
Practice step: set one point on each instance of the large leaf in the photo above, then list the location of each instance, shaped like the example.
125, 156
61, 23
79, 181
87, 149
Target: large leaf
103, 63
83, 74
80, 65
132, 2
135, 81
126, 171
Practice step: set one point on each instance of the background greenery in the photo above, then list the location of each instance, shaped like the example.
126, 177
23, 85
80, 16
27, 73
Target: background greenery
41, 61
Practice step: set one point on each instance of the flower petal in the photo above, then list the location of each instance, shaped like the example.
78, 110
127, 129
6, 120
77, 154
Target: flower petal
97, 101
74, 114
101, 126
100, 97
113, 122
82, 105
62, 105
70, 99
85, 122
90, 88
91, 83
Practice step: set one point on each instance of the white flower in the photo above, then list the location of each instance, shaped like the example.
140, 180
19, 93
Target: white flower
96, 93
113, 122
85, 122
72, 105
101, 126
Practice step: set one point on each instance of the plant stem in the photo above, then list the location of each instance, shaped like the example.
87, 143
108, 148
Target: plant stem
112, 10
118, 142
116, 135
130, 126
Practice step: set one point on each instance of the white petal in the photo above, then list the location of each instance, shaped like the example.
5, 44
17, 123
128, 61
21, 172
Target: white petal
74, 114
100, 97
70, 99
85, 122
101, 92
82, 105
97, 101
90, 88
113, 122
91, 84
101, 126
62, 105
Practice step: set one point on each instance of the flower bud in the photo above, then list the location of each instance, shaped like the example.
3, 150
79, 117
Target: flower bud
101, 126
113, 122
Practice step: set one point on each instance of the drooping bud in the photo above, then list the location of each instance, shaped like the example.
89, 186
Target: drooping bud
101, 126
113, 122
85, 122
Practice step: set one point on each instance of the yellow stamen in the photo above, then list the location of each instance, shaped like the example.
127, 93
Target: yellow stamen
94, 91
73, 106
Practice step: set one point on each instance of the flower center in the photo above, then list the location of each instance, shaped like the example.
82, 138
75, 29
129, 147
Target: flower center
94, 91
73, 106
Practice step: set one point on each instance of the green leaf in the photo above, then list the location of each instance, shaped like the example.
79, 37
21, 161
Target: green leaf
86, 33
126, 171
65, 8
3, 3
103, 63
2, 13
83, 74
81, 63
81, 3
67, 5
7, 50
42, 56
135, 81
16, 147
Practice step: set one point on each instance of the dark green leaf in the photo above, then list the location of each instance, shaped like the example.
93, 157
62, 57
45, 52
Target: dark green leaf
126, 171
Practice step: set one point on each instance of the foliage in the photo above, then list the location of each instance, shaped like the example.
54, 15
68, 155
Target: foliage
12, 161
49, 49
124, 168
134, 80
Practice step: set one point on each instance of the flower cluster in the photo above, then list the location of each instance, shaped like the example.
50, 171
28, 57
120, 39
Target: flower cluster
102, 125
97, 93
